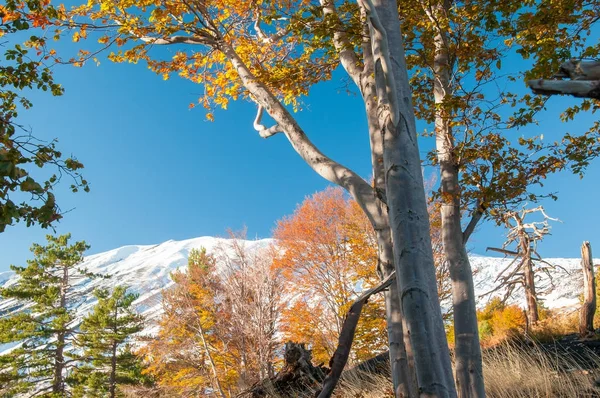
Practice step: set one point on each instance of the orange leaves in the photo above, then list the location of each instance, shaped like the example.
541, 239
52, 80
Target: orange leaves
7, 15
329, 255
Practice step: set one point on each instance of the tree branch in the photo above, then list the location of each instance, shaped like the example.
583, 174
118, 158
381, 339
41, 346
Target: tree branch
263, 131
381, 55
473, 223
176, 40
504, 251
357, 187
340, 356
348, 57
576, 88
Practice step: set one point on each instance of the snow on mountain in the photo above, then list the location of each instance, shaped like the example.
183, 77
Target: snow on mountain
146, 270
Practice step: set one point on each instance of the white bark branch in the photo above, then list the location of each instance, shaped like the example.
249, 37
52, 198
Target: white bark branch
381, 54
576, 88
263, 131
348, 57
175, 40
357, 187
584, 83
265, 38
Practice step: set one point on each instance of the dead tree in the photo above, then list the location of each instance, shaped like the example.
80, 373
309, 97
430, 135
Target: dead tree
588, 309
584, 80
527, 261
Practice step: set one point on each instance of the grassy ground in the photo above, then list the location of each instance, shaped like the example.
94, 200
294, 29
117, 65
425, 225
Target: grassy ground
513, 371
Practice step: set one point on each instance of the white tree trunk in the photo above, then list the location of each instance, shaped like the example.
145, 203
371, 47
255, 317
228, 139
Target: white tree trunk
409, 220
588, 309
336, 173
468, 362
584, 83
576, 88
401, 358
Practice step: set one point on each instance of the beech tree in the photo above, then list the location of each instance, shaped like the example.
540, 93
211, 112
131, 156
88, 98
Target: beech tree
245, 50
463, 87
329, 249
43, 330
217, 335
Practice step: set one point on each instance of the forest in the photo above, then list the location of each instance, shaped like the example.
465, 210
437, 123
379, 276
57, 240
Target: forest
367, 288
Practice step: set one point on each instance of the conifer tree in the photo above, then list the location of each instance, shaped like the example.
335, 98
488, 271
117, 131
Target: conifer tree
105, 334
43, 327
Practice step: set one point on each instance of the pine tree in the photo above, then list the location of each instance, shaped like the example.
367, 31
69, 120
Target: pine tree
105, 333
43, 328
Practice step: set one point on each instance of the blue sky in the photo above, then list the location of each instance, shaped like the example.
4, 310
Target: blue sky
160, 171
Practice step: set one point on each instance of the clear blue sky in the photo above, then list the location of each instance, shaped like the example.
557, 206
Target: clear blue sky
159, 171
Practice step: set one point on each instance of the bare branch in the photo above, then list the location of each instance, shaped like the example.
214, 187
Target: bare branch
496, 249
340, 356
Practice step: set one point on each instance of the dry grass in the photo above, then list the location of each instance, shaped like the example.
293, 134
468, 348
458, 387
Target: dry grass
512, 372
509, 372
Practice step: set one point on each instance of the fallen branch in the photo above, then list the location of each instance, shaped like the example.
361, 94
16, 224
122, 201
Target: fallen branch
340, 356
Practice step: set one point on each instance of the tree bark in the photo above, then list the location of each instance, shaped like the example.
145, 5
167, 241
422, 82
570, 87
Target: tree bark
529, 284
58, 385
468, 362
576, 88
588, 309
530, 293
400, 351
112, 386
401, 361
112, 381
584, 83
405, 194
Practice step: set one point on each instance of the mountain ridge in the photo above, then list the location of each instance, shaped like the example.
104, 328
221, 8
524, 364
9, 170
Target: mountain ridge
146, 270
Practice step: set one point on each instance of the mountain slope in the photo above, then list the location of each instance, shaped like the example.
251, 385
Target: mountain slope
146, 270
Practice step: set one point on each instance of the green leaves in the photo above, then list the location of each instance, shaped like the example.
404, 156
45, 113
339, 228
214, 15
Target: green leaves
42, 324
107, 359
20, 152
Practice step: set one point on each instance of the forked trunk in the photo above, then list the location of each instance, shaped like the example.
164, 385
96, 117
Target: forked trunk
588, 309
409, 220
401, 359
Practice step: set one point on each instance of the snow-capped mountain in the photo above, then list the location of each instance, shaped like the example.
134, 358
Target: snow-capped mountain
146, 270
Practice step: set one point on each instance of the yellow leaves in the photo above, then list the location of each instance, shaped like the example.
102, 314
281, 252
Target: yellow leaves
210, 117
165, 76
103, 40
76, 37
7, 15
